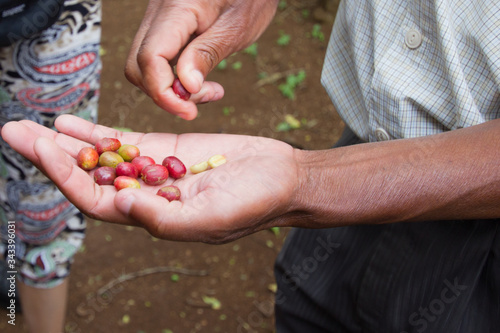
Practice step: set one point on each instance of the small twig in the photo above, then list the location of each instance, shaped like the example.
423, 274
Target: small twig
196, 303
271, 79
148, 271
283, 14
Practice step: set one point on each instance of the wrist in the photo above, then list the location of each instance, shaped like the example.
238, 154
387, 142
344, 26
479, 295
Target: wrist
311, 195
338, 187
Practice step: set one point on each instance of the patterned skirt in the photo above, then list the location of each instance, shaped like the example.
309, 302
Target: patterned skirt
54, 72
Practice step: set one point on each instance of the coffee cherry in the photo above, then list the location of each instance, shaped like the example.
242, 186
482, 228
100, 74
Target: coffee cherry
154, 174
107, 144
176, 169
180, 91
87, 158
105, 175
170, 192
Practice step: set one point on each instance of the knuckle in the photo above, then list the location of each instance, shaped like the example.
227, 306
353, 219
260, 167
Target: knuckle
210, 56
130, 73
213, 51
143, 57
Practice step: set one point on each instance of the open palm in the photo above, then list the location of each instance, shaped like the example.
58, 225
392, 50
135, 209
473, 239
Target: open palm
248, 193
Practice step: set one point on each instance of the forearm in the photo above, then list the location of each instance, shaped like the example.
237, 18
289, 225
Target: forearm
454, 175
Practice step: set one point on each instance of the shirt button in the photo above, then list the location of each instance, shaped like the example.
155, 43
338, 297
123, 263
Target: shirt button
382, 135
413, 38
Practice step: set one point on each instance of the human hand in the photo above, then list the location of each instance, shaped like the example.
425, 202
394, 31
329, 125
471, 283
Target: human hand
254, 190
195, 36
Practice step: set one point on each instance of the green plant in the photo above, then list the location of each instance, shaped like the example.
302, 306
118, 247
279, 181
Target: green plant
282, 4
252, 50
237, 65
227, 110
222, 65
292, 81
284, 39
317, 33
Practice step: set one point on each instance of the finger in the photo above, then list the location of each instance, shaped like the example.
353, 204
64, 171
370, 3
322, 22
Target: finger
150, 211
21, 139
202, 55
167, 220
230, 33
29, 132
163, 33
39, 129
82, 129
210, 92
132, 69
190, 219
170, 102
87, 131
76, 184
69, 144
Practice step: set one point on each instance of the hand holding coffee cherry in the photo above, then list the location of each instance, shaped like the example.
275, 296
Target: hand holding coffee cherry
250, 192
151, 61
110, 155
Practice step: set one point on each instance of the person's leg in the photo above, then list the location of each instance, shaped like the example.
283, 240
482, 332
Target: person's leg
318, 273
44, 309
56, 72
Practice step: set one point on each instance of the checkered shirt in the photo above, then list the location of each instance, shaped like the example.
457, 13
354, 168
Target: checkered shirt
414, 67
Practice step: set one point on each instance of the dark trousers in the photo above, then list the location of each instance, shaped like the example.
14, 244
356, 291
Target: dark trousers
436, 276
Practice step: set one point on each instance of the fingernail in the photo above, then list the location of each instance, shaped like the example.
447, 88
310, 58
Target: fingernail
197, 77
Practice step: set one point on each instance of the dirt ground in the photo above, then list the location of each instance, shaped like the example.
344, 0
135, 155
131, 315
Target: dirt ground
124, 280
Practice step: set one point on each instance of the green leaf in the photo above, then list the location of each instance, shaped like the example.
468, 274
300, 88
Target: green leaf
252, 50
237, 65
292, 81
284, 39
287, 90
262, 75
283, 127
317, 33
222, 64
227, 110
275, 230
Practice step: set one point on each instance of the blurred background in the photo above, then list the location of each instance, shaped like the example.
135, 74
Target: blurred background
124, 280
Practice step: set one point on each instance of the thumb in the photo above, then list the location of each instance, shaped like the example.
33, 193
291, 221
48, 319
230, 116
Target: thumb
240, 25
150, 211
203, 54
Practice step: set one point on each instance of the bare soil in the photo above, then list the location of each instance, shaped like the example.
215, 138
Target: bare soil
124, 280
